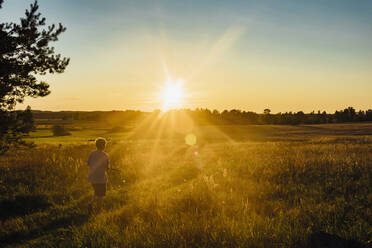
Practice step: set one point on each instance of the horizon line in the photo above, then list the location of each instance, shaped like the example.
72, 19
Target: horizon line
194, 109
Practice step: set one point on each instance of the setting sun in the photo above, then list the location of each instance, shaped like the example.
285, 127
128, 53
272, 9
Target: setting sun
172, 94
185, 123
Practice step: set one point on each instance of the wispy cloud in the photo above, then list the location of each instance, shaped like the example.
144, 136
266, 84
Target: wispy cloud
221, 46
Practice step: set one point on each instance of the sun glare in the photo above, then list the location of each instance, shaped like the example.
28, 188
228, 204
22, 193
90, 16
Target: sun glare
172, 94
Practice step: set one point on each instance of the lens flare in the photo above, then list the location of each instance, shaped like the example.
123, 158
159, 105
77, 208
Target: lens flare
190, 139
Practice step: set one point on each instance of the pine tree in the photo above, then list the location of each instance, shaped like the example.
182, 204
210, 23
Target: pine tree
25, 52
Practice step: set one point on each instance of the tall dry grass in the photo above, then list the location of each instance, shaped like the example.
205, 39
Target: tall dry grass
255, 194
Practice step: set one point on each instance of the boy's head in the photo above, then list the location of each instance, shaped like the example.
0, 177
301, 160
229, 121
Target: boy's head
100, 143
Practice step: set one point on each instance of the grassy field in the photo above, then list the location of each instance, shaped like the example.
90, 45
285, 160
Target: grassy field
239, 186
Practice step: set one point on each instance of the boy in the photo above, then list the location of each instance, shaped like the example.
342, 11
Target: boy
98, 162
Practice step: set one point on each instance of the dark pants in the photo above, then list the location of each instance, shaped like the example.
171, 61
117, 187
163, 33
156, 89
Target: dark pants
99, 189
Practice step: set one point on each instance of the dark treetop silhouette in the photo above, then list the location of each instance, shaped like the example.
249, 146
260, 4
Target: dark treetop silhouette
25, 53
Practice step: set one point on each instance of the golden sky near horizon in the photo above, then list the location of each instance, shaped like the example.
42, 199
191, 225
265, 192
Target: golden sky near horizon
241, 54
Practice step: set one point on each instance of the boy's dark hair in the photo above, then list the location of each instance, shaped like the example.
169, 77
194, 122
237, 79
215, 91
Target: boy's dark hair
101, 143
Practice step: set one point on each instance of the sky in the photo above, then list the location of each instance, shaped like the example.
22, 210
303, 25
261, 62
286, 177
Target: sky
287, 55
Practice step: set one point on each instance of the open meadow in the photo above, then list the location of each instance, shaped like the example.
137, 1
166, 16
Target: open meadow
190, 124
236, 186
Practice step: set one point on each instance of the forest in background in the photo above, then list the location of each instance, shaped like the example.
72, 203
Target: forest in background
214, 117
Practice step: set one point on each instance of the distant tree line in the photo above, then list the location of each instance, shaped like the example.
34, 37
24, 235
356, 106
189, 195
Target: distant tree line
205, 116
240, 117
102, 116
